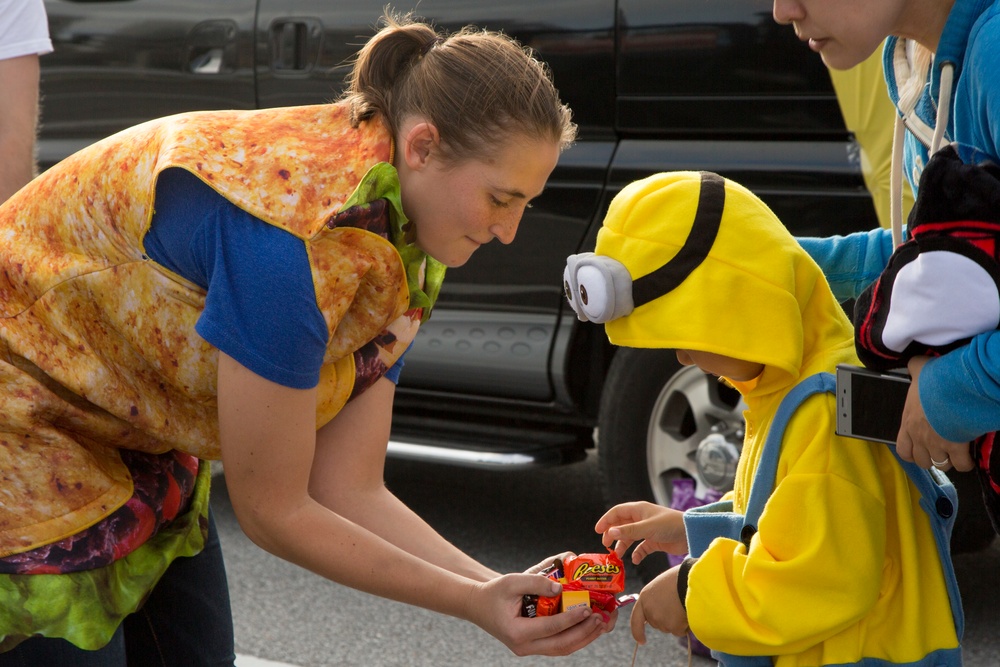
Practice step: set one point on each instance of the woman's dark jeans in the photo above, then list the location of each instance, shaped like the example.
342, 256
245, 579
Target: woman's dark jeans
186, 622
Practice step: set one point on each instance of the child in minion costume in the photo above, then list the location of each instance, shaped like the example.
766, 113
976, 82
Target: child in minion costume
829, 550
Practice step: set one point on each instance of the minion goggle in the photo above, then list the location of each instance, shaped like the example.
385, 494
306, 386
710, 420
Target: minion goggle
600, 288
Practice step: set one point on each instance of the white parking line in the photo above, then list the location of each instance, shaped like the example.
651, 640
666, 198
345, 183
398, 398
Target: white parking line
250, 661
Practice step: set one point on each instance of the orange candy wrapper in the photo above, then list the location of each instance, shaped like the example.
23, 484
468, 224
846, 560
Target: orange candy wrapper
592, 579
597, 572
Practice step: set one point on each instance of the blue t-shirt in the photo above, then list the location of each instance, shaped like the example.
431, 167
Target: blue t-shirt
260, 304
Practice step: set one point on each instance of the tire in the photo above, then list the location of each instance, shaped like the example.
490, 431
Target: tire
653, 415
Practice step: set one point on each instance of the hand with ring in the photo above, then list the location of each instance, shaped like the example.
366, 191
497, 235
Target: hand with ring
941, 464
918, 441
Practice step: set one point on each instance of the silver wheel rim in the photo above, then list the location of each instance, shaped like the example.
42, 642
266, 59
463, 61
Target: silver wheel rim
689, 405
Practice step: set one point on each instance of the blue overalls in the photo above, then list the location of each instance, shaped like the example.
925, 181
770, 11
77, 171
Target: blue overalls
938, 499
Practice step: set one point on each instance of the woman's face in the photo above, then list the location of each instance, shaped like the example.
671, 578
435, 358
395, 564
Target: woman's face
456, 208
844, 32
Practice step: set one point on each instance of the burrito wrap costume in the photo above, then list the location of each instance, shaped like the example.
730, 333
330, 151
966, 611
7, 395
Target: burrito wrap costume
99, 357
843, 566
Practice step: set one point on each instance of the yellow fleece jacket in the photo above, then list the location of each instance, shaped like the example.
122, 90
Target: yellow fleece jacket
844, 565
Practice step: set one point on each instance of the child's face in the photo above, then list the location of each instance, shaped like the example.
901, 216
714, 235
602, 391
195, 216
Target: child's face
844, 32
737, 370
456, 208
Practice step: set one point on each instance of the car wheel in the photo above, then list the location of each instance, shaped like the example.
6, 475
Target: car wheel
654, 416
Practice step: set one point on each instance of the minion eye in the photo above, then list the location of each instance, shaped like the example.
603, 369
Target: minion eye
596, 291
598, 288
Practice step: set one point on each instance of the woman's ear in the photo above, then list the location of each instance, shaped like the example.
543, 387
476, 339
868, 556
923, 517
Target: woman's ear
419, 141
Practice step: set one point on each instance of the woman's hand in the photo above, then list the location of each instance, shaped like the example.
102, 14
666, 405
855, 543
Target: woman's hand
660, 606
495, 606
660, 529
609, 625
918, 441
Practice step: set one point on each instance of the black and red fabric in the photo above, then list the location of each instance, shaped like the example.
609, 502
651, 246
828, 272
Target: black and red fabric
942, 286
987, 458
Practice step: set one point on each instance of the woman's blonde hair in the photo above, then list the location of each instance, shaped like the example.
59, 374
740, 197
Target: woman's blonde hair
477, 87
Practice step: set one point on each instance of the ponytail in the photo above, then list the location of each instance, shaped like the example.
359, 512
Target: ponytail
382, 62
477, 87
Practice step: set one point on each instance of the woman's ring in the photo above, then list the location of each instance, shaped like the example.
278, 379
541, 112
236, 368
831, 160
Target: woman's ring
938, 464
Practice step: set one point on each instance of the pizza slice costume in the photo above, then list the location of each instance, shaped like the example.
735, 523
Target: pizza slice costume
109, 393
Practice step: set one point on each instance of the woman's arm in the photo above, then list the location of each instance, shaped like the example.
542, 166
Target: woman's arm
268, 443
850, 263
960, 391
347, 477
268, 435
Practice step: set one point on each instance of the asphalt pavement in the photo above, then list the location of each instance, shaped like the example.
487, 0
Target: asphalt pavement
508, 520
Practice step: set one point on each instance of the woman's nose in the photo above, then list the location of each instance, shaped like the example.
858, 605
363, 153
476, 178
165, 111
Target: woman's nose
786, 11
507, 230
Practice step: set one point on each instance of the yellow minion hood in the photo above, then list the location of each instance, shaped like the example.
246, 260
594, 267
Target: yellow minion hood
720, 274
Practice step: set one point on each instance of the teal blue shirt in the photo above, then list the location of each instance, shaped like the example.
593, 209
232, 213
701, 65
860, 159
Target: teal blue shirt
960, 391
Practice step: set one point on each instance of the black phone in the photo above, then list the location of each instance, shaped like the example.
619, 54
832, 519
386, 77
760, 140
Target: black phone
870, 403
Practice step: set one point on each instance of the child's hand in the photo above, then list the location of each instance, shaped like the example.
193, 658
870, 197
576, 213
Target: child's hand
659, 528
660, 606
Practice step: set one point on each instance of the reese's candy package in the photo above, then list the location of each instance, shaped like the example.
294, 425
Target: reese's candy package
592, 579
597, 572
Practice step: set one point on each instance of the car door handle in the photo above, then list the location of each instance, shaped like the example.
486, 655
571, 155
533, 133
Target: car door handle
211, 47
295, 44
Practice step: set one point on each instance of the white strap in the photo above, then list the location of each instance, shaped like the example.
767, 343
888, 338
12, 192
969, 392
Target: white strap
944, 106
896, 163
896, 182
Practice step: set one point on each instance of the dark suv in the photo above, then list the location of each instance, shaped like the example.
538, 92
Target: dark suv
503, 374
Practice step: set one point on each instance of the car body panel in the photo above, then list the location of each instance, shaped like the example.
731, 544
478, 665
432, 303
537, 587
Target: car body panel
718, 69
118, 63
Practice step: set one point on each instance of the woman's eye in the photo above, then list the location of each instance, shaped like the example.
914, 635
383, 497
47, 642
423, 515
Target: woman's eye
499, 204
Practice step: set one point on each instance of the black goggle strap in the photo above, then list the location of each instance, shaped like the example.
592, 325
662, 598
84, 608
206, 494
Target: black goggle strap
704, 230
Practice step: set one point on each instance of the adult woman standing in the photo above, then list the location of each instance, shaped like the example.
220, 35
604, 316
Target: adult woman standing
940, 63
243, 285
